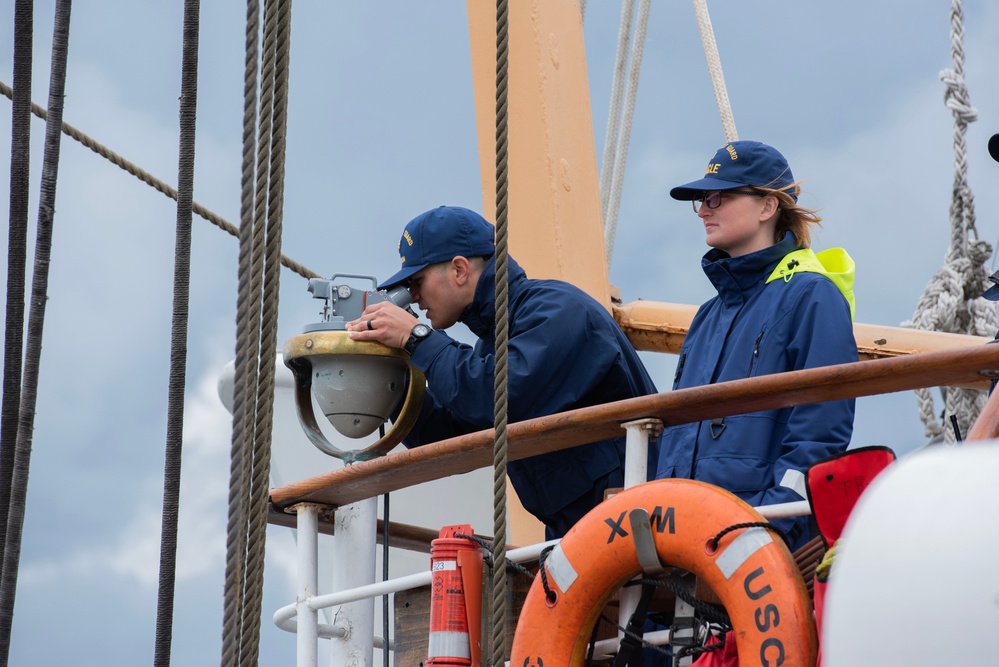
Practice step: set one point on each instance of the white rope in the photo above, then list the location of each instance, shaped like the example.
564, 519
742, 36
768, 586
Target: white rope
613, 206
614, 113
582, 9
715, 69
952, 299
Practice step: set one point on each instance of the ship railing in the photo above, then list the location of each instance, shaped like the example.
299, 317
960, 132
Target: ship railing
963, 367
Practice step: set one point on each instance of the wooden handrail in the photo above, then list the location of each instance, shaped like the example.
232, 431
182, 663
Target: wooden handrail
401, 535
535, 436
655, 326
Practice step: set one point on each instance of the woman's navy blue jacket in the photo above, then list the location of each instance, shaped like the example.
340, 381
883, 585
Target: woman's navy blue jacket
565, 351
754, 327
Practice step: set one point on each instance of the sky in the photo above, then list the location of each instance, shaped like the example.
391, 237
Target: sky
381, 128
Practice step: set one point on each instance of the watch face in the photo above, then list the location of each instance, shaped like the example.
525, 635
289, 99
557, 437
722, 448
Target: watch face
421, 330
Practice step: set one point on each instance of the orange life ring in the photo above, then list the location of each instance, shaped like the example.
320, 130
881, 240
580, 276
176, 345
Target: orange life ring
751, 570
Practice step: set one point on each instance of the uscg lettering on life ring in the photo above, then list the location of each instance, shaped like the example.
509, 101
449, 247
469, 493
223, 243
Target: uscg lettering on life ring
753, 574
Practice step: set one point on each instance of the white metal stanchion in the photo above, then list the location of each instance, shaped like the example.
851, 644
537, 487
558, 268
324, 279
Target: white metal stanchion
635, 472
307, 635
354, 546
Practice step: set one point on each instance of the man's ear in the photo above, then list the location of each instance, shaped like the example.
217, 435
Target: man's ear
461, 269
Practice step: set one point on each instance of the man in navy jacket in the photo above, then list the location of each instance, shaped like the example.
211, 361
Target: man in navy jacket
565, 352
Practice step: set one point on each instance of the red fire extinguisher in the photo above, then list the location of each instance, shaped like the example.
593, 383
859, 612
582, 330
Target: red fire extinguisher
455, 600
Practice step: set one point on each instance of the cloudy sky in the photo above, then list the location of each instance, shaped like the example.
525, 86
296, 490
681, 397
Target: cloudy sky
382, 128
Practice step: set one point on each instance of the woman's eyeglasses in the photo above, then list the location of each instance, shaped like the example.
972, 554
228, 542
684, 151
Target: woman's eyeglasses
714, 199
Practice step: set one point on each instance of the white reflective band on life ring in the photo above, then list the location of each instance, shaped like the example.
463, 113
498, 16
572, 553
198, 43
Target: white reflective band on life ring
560, 568
741, 549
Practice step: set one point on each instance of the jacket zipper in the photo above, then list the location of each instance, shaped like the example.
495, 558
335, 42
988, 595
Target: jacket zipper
679, 370
756, 353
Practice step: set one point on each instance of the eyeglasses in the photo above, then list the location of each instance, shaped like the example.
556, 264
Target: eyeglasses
714, 199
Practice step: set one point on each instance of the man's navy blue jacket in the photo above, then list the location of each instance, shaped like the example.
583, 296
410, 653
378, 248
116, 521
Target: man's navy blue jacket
565, 351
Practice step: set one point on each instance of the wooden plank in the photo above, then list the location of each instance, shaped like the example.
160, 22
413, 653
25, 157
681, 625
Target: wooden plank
401, 535
470, 452
655, 326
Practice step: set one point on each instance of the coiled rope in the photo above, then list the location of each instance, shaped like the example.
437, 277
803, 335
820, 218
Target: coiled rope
502, 339
150, 180
715, 69
952, 299
178, 337
36, 312
257, 306
620, 119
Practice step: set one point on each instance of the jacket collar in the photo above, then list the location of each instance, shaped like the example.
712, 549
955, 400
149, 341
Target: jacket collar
480, 315
734, 277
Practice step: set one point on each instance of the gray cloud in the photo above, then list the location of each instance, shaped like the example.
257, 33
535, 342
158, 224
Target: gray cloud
382, 128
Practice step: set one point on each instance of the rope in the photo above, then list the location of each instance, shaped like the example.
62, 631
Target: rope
250, 270
268, 343
713, 542
614, 113
709, 611
550, 595
36, 321
952, 299
259, 278
152, 181
502, 339
264, 162
257, 306
17, 252
715, 69
178, 337
613, 206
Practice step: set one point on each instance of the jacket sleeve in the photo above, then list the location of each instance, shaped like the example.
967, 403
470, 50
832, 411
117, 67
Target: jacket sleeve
559, 349
436, 422
822, 336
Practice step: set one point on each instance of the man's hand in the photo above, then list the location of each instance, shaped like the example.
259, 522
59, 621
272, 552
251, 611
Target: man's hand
383, 322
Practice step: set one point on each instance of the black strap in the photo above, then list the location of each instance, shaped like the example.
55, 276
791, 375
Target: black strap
630, 654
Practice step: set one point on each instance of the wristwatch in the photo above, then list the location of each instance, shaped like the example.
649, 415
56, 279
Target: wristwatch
416, 336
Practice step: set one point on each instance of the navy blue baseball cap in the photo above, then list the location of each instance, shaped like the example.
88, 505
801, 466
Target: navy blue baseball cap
440, 235
738, 164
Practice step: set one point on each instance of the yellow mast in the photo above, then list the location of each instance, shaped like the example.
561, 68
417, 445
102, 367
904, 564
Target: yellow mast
555, 223
554, 217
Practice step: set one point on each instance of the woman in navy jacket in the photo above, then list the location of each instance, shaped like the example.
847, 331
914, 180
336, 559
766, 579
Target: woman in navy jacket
780, 307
